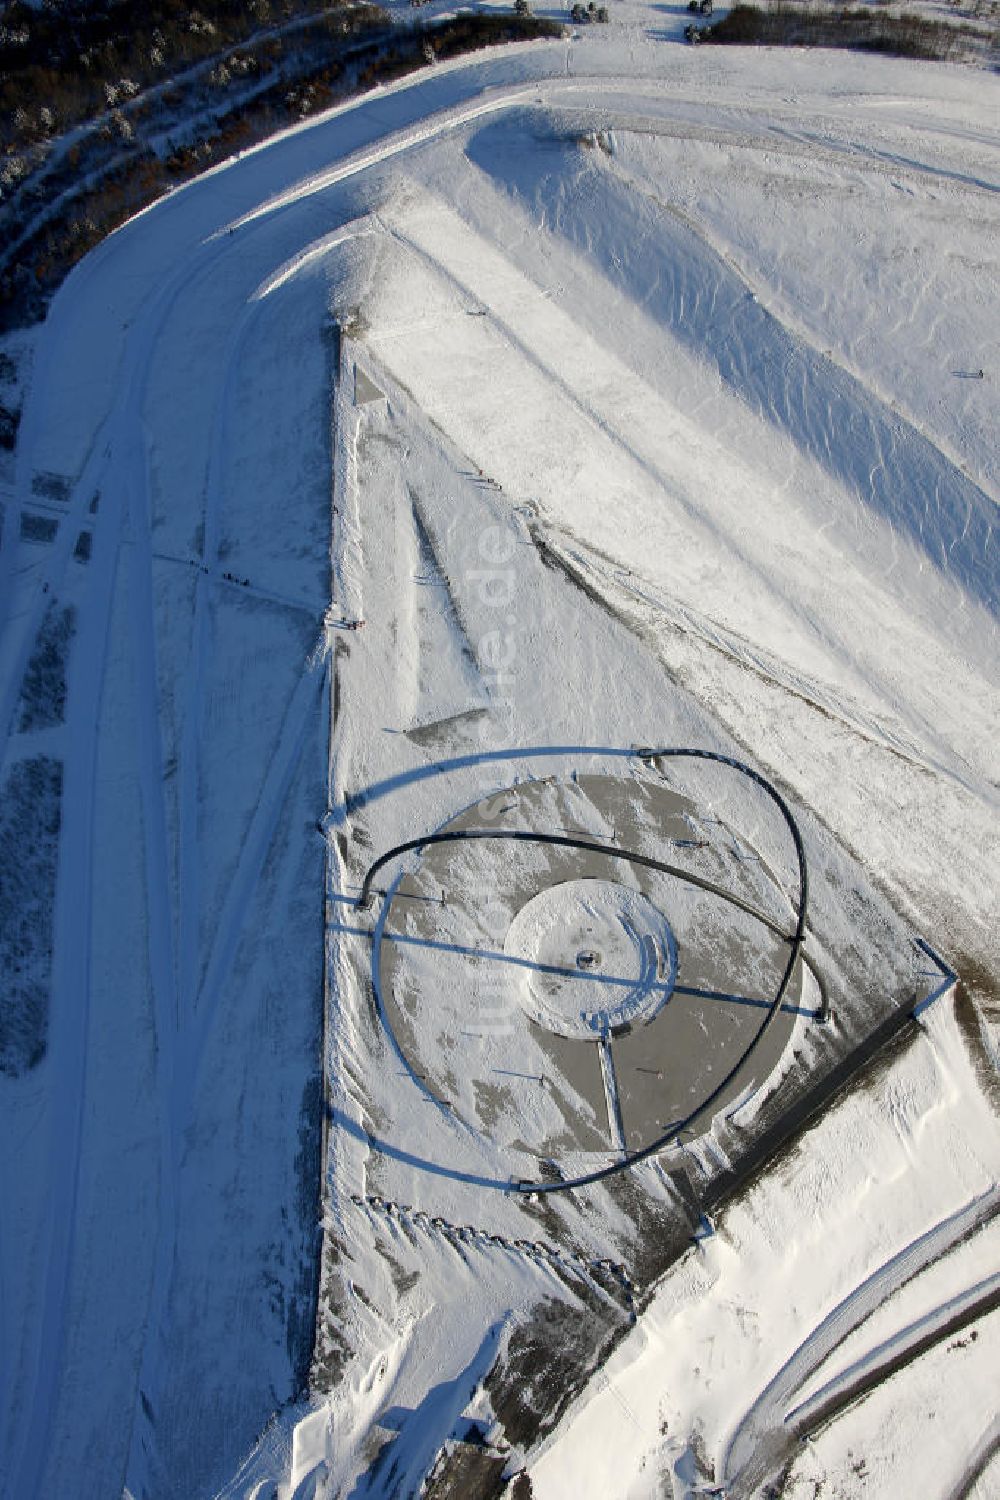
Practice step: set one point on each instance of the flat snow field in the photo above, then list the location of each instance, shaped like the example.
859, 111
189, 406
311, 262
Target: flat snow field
411, 472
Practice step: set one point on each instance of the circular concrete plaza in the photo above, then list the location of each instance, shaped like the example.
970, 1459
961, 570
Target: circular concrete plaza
573, 1004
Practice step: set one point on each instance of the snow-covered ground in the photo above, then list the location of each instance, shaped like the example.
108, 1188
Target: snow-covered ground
630, 395
787, 1301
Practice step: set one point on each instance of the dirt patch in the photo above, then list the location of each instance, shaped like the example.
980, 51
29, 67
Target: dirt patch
547, 1363
978, 982
466, 1472
303, 1304
331, 1351
977, 1004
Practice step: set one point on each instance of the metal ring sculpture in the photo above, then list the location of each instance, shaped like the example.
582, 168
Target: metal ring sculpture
794, 940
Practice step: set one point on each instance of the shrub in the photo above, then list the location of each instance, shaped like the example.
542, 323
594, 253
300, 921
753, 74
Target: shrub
347, 51
865, 30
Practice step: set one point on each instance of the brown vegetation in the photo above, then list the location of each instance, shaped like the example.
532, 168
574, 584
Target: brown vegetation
863, 29
58, 221
66, 64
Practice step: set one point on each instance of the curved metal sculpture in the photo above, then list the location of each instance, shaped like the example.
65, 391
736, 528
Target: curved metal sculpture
794, 939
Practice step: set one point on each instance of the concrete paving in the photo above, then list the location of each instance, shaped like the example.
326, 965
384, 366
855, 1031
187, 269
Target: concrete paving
505, 969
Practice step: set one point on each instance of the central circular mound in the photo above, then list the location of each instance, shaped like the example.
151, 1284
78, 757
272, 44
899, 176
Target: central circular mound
597, 957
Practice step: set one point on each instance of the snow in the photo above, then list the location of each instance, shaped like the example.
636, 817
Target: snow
624, 393
730, 1318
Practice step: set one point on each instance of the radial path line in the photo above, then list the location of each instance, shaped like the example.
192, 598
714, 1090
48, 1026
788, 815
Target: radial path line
610, 1081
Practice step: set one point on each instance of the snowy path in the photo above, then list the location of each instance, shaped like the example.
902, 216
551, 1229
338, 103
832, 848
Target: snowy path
36, 1363
124, 449
71, 968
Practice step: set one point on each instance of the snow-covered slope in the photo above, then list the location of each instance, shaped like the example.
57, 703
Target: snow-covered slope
630, 396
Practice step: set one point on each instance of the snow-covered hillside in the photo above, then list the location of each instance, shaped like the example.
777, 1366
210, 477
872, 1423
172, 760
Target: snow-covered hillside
425, 471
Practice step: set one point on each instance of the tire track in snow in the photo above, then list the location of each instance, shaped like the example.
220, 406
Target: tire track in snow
758, 1440
189, 757
163, 955
208, 576
978, 1461
159, 907
893, 1354
299, 719
388, 147
187, 1030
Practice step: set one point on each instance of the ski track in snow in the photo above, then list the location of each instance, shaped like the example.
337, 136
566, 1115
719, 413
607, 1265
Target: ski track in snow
972, 1301
255, 848
196, 997
159, 907
121, 438
747, 1457
189, 759
70, 1004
